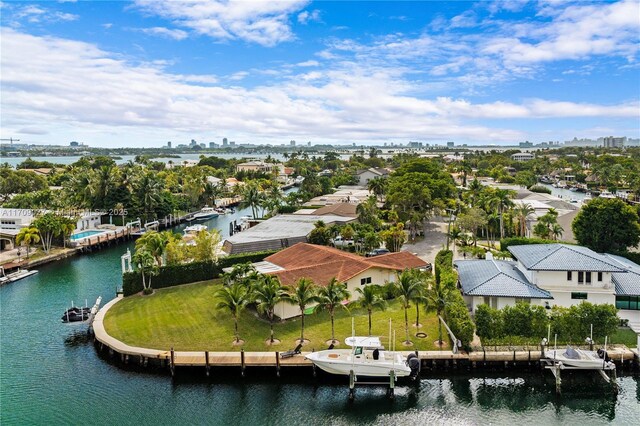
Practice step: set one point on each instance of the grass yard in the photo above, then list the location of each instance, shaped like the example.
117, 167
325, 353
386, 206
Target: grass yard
184, 317
625, 336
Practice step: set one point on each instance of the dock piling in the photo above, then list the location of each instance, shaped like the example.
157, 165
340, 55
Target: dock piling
392, 384
352, 385
242, 365
172, 364
277, 363
206, 361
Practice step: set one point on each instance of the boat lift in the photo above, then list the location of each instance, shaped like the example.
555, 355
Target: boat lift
556, 366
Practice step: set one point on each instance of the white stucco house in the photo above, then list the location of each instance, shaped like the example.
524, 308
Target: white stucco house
552, 274
321, 264
364, 176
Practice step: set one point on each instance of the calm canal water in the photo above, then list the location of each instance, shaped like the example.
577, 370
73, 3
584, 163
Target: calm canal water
50, 373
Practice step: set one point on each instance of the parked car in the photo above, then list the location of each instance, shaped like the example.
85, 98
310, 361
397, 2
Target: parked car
341, 242
377, 252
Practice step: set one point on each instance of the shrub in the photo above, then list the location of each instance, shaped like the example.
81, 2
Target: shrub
540, 189
520, 241
444, 260
489, 322
458, 319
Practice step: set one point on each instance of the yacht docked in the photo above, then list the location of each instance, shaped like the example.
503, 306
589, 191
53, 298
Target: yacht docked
367, 357
206, 213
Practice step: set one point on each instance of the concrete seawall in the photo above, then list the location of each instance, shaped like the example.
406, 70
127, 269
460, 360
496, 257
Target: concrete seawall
241, 359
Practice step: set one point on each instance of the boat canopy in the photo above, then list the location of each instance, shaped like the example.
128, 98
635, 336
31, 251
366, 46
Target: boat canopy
368, 342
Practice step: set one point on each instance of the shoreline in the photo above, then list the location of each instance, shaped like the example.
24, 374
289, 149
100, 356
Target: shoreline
430, 360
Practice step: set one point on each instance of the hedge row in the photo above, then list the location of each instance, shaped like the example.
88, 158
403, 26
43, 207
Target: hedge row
456, 313
523, 320
521, 241
444, 260
172, 275
169, 276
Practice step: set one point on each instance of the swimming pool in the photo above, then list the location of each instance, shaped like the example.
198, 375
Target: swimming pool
84, 234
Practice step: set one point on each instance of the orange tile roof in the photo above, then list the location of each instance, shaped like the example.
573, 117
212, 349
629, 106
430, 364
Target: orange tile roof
321, 263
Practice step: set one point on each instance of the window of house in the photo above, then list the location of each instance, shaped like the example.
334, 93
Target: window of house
579, 296
599, 276
569, 276
364, 281
588, 277
628, 302
580, 277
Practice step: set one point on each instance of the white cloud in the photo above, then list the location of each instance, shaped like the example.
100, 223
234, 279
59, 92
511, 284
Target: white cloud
240, 75
107, 26
166, 32
260, 21
35, 14
305, 16
310, 63
56, 84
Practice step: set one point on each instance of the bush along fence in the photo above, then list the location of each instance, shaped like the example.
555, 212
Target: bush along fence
456, 313
525, 323
172, 275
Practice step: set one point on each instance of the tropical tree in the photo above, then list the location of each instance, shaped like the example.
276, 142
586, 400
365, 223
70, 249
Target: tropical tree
377, 186
67, 226
206, 248
240, 273
394, 237
370, 299
420, 296
547, 226
28, 236
607, 225
320, 234
330, 298
251, 197
49, 226
234, 299
406, 288
147, 265
303, 295
522, 213
148, 191
437, 296
502, 199
267, 293
153, 242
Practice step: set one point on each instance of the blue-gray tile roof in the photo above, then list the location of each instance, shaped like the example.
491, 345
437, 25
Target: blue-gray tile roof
627, 283
496, 278
562, 257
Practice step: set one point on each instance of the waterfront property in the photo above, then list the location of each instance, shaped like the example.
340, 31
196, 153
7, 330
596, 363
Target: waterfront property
364, 176
321, 264
278, 232
568, 274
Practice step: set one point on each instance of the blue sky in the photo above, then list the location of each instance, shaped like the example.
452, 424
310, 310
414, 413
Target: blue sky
144, 72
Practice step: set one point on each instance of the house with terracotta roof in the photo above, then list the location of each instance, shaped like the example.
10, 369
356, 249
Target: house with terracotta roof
321, 264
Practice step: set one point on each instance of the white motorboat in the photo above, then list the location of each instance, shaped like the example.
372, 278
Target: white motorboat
606, 194
578, 358
367, 357
195, 229
206, 213
14, 276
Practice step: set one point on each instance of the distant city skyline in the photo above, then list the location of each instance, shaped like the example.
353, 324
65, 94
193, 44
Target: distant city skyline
141, 73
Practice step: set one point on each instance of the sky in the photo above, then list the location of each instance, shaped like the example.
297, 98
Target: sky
141, 73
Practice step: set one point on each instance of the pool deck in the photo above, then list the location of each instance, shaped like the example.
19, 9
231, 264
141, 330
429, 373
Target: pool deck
272, 359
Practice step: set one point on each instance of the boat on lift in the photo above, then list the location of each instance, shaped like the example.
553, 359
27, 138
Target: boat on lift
206, 213
578, 358
367, 357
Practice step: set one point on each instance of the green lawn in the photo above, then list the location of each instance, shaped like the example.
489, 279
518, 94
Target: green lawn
625, 336
184, 317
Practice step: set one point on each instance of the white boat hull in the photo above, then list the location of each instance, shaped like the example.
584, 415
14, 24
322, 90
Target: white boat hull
342, 362
587, 360
205, 216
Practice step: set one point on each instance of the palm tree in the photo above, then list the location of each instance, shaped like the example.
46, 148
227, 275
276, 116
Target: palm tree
67, 226
103, 182
251, 197
406, 288
240, 273
420, 296
503, 200
556, 230
146, 263
28, 236
438, 296
234, 299
522, 212
267, 293
370, 299
303, 295
377, 186
149, 188
154, 242
330, 298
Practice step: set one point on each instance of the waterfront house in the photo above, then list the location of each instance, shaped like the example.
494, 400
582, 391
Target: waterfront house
321, 264
255, 166
552, 274
364, 176
522, 156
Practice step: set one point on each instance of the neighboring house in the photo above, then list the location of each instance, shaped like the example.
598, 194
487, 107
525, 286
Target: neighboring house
568, 274
496, 283
321, 264
364, 176
255, 166
522, 156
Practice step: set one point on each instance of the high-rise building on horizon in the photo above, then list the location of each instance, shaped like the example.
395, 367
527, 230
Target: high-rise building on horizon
613, 142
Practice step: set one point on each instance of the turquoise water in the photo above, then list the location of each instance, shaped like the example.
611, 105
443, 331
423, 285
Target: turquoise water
50, 373
84, 234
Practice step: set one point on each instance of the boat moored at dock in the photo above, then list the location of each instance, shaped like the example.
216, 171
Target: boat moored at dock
206, 213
